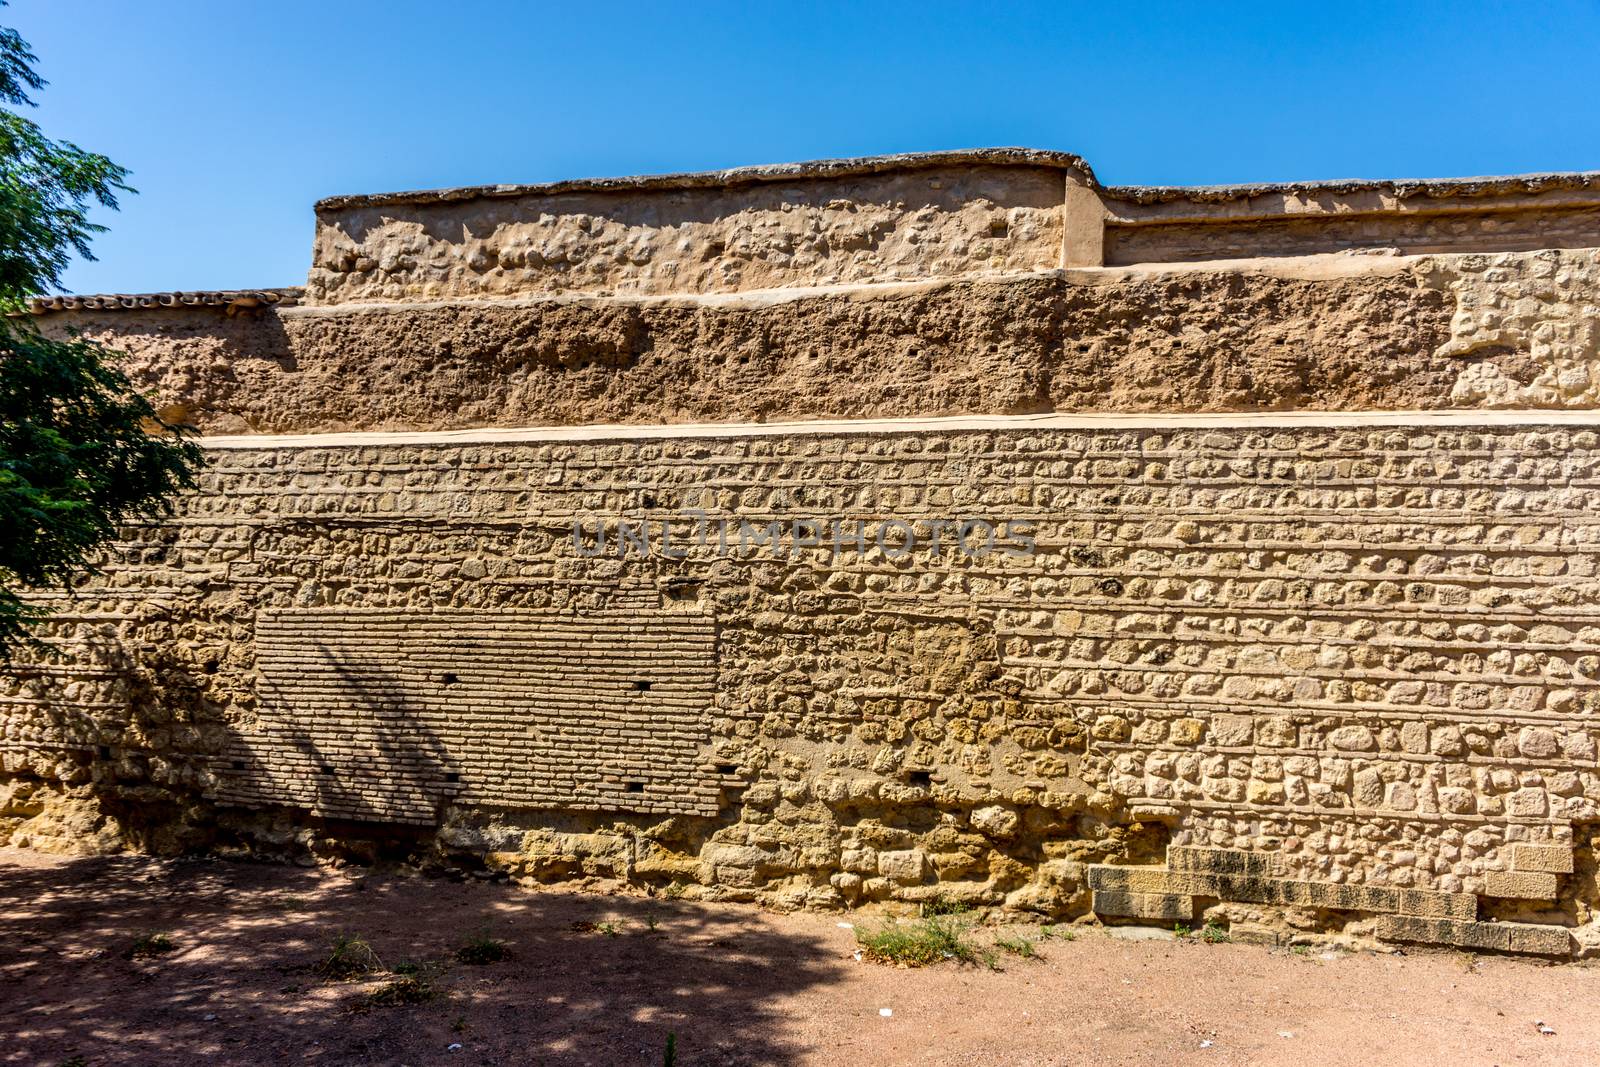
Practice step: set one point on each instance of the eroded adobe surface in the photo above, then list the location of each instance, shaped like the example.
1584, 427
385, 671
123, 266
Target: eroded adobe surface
1302, 672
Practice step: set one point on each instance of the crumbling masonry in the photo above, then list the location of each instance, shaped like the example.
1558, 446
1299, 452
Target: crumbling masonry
1148, 553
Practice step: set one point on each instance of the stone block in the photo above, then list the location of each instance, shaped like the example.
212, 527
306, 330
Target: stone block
1493, 937
1554, 859
1520, 885
1540, 939
905, 867
996, 822
1431, 903
1167, 907
1219, 860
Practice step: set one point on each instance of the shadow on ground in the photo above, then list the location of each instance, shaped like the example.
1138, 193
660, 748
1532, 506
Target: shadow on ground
590, 980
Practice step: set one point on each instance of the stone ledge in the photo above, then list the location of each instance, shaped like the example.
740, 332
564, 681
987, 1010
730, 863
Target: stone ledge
1495, 937
1259, 889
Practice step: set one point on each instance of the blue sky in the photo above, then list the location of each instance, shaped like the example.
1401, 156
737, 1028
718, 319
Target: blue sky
236, 117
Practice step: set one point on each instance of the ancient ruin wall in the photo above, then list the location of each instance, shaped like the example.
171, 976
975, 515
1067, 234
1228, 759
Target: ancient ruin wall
1367, 651
1298, 671
1504, 330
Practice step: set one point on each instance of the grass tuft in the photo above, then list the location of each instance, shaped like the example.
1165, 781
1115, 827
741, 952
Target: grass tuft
482, 949
404, 989
349, 957
1018, 946
1213, 933
943, 905
930, 940
149, 947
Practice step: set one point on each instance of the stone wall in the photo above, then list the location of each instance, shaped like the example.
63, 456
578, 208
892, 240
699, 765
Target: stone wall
1326, 659
1379, 639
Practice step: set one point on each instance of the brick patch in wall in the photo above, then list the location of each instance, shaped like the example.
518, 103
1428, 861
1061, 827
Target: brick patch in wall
380, 713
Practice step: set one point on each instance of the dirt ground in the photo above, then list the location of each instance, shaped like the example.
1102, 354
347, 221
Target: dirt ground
604, 979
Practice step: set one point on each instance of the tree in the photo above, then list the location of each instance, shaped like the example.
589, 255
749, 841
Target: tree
81, 451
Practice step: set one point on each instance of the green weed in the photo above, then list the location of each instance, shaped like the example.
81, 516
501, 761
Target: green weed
404, 989
482, 949
149, 947
929, 940
1018, 946
349, 957
942, 905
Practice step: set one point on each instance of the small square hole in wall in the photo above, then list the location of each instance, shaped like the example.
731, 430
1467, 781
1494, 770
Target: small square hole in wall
452, 776
325, 769
635, 787
103, 751
448, 679
682, 590
726, 768
921, 779
239, 765
641, 686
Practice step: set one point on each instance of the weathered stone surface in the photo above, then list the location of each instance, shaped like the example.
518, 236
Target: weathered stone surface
1556, 859
1493, 937
1321, 663
1157, 907
1520, 885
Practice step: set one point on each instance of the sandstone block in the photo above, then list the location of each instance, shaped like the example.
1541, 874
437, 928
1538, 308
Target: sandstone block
1496, 937
905, 867
1520, 885
1555, 859
1352, 739
1157, 906
996, 822
1537, 742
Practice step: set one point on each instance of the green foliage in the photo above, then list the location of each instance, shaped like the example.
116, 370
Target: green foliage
404, 989
76, 461
1018, 946
482, 949
929, 940
1213, 933
670, 1059
349, 957
943, 905
78, 457
150, 946
46, 187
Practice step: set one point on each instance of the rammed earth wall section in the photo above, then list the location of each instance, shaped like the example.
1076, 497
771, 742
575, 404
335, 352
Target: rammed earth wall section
1348, 333
1362, 648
